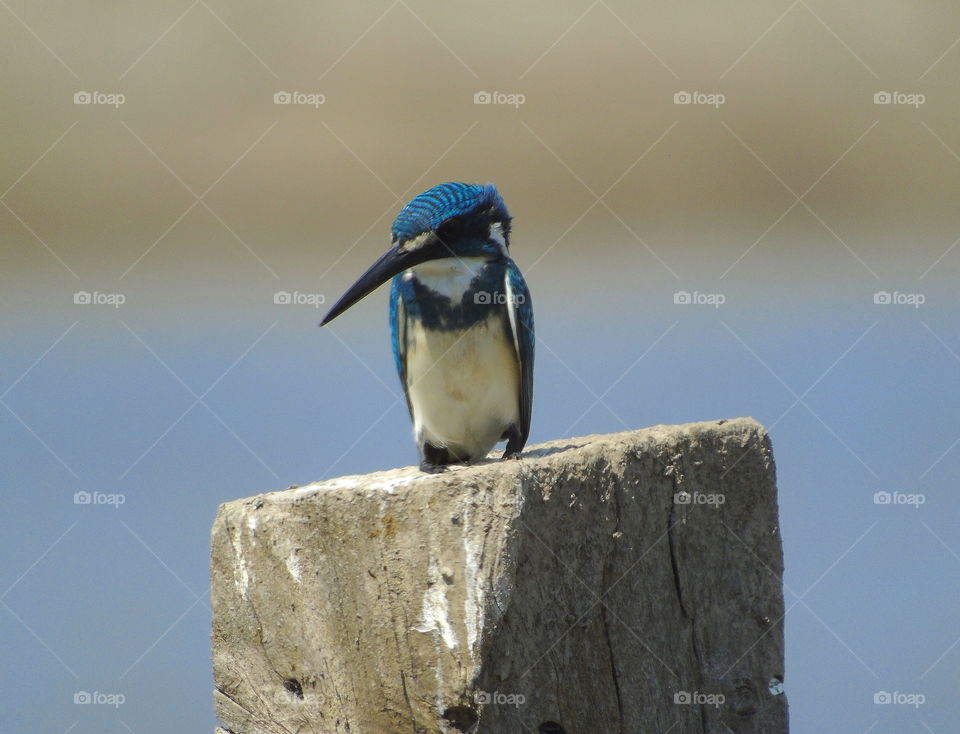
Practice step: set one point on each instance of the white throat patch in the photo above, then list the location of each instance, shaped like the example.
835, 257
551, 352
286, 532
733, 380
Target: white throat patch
450, 276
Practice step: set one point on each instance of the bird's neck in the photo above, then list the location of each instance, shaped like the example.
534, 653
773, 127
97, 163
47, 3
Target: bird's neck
452, 293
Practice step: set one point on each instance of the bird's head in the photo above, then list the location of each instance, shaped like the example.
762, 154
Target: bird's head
452, 220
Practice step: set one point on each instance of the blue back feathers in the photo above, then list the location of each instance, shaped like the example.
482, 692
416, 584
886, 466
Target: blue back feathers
432, 208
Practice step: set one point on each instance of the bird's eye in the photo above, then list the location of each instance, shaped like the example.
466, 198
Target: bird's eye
448, 230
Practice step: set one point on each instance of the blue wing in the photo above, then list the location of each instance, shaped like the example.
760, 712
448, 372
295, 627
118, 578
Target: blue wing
520, 310
398, 333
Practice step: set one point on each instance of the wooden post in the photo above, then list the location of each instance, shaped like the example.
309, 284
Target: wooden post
620, 583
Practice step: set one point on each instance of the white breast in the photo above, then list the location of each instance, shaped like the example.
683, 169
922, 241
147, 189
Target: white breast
464, 388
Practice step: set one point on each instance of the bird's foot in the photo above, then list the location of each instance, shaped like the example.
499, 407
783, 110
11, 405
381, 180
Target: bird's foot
510, 456
428, 468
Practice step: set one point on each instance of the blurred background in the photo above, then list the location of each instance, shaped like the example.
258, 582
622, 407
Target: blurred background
722, 209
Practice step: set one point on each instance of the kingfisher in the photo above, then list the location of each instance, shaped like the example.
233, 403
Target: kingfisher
461, 324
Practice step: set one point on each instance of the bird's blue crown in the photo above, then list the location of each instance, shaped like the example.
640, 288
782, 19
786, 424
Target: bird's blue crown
429, 210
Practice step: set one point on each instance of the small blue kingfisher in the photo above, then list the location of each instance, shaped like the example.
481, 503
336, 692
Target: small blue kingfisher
461, 323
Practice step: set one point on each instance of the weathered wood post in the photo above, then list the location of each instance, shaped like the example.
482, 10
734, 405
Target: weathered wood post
624, 583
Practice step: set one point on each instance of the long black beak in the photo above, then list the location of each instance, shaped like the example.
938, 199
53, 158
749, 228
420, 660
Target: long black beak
393, 261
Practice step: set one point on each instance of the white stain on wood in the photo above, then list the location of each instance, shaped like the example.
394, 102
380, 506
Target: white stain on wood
476, 595
435, 616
